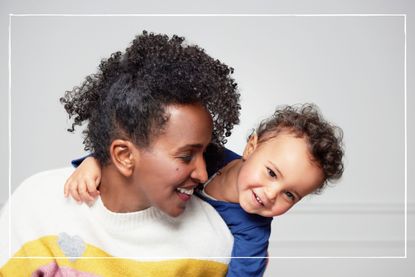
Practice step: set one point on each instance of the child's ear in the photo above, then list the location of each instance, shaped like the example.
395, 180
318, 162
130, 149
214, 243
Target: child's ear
250, 146
123, 156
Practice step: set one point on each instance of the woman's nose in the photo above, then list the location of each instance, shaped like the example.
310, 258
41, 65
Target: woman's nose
199, 173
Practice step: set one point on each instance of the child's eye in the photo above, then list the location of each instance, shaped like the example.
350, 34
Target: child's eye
271, 173
290, 196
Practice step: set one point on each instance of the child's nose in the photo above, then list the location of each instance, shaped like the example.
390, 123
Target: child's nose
272, 191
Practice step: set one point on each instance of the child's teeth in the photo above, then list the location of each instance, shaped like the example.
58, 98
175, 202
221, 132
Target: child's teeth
186, 191
259, 199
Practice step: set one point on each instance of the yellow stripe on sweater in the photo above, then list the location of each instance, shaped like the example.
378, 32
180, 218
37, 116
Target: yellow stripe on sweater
51, 255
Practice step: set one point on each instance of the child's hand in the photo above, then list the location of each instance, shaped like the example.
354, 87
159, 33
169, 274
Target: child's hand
82, 184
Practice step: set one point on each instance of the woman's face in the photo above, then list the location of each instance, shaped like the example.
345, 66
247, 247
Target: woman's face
169, 169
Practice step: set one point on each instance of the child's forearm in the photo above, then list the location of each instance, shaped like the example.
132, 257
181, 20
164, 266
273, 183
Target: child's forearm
244, 264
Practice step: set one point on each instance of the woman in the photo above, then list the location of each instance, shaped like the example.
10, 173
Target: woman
151, 113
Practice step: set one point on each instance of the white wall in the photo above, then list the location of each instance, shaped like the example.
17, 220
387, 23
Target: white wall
352, 67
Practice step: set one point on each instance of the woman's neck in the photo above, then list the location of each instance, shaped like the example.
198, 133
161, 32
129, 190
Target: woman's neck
224, 186
117, 192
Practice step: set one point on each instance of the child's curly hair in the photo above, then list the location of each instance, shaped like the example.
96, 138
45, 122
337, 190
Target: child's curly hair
325, 140
128, 95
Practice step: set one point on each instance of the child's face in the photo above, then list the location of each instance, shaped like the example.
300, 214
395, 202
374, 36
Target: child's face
174, 160
276, 174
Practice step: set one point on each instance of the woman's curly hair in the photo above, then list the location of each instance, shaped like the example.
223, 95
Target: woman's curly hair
325, 140
128, 95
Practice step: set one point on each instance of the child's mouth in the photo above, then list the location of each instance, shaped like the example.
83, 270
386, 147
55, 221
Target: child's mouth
184, 194
258, 199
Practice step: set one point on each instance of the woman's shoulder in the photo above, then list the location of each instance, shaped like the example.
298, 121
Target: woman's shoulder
205, 216
41, 188
46, 178
211, 236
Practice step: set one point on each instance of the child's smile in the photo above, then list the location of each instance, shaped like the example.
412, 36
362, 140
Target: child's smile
257, 199
276, 174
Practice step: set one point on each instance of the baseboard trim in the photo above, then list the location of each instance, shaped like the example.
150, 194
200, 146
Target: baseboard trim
353, 208
339, 248
339, 243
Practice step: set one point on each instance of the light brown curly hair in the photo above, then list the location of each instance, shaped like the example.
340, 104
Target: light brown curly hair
325, 140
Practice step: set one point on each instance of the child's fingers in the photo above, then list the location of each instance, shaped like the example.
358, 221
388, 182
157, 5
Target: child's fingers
92, 189
97, 181
83, 193
66, 188
73, 191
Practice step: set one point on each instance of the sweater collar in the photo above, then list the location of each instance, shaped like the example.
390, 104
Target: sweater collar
126, 221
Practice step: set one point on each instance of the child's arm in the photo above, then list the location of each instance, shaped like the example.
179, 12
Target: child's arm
82, 184
252, 249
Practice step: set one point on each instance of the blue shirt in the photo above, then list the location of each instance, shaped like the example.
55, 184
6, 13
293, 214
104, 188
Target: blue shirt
250, 231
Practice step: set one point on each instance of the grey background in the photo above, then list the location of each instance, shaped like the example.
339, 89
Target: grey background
352, 67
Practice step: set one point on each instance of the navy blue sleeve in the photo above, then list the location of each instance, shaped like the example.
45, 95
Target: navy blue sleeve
230, 156
251, 234
249, 246
75, 163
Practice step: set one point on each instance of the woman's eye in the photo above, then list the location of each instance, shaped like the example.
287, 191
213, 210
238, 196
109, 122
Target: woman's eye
186, 158
290, 195
271, 173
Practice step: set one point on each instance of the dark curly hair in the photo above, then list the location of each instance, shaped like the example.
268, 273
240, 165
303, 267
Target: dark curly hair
128, 95
325, 140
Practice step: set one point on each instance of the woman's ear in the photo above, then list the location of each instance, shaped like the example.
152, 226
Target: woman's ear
123, 156
250, 146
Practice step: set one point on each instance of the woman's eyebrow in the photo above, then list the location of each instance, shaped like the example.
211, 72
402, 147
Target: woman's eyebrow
191, 146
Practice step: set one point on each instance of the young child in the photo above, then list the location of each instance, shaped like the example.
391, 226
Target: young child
293, 153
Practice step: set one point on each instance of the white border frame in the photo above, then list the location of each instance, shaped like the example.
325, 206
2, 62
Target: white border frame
224, 15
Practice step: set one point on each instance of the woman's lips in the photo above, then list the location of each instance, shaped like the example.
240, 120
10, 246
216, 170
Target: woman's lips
184, 194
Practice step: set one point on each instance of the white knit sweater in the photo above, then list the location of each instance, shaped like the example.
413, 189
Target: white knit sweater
64, 236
